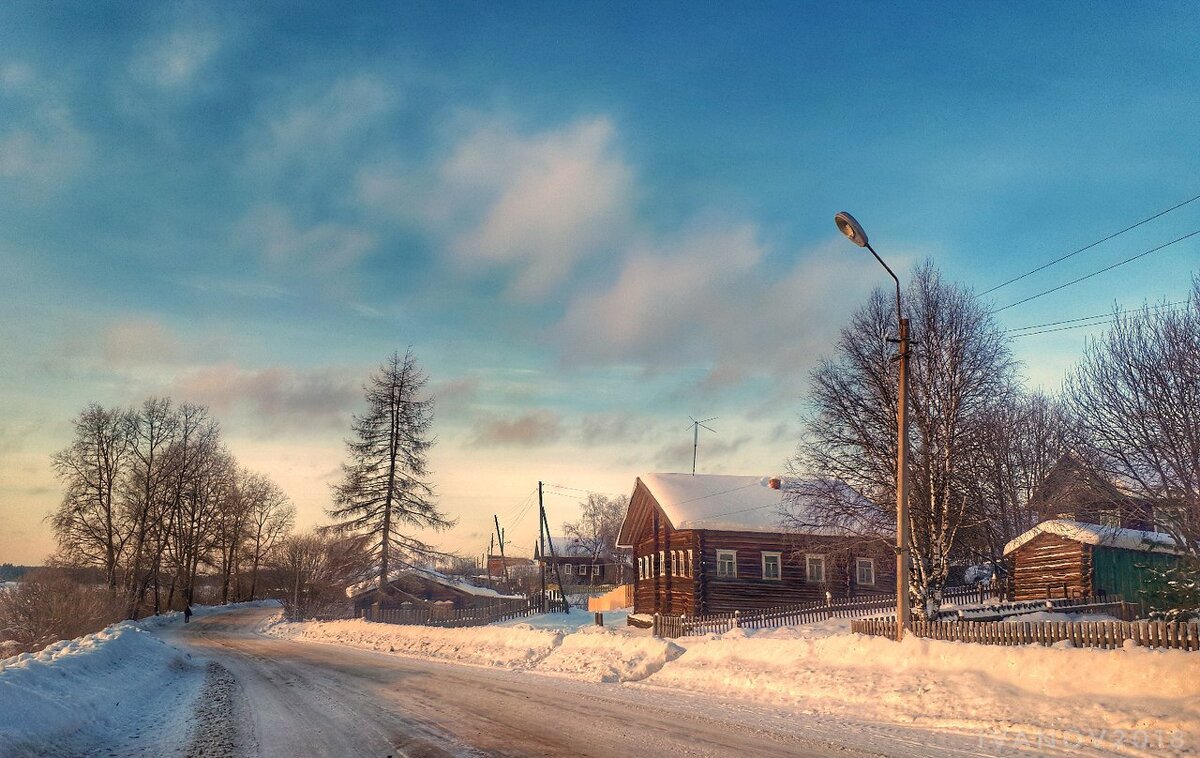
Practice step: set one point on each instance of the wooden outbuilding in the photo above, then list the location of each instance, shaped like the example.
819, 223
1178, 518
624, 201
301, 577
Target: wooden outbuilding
412, 586
1061, 558
711, 543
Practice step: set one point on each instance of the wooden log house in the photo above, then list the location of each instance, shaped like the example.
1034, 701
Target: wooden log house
1061, 558
711, 544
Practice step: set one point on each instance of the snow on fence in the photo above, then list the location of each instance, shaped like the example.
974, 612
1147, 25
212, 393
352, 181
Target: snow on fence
1113, 605
1102, 634
686, 626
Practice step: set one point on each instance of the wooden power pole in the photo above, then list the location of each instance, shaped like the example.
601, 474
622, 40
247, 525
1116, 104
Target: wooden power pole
500, 537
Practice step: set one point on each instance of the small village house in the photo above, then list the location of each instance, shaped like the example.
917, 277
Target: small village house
707, 544
579, 564
412, 587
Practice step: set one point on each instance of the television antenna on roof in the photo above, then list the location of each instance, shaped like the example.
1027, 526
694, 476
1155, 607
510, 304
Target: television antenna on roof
695, 425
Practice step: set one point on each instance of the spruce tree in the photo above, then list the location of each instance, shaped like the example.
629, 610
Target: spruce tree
385, 491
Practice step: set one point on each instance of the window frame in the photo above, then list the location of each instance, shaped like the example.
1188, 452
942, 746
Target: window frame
732, 559
778, 556
859, 562
596, 570
808, 572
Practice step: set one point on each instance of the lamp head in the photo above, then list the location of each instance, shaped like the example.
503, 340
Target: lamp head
850, 227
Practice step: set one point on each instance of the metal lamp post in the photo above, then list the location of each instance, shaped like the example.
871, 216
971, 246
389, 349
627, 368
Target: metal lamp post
850, 227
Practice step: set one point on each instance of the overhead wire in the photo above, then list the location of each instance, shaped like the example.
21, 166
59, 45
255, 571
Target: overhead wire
1062, 258
1130, 259
1087, 318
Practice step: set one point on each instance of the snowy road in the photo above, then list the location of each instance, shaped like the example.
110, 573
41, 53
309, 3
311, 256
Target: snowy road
316, 700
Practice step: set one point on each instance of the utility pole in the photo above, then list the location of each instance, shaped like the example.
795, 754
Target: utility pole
562, 588
903, 567
541, 552
500, 534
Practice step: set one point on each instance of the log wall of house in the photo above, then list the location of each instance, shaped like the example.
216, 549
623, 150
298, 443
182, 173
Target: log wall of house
664, 592
1051, 566
749, 590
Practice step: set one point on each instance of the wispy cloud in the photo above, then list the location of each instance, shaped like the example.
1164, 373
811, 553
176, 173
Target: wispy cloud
40, 141
138, 342
279, 397
175, 58
532, 429
322, 248
532, 205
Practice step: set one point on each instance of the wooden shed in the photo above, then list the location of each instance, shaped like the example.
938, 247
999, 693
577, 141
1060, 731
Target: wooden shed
1061, 558
710, 544
412, 586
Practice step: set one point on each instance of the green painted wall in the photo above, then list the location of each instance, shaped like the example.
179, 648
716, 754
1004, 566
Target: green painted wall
1116, 571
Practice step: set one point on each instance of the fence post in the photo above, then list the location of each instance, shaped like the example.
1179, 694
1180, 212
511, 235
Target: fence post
657, 625
599, 618
737, 619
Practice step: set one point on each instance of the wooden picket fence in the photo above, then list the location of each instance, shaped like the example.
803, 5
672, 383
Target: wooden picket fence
432, 615
1102, 634
719, 623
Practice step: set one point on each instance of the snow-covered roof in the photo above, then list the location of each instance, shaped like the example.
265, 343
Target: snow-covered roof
438, 577
568, 547
1095, 534
733, 503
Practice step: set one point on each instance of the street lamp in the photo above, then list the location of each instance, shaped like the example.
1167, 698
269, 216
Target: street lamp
850, 227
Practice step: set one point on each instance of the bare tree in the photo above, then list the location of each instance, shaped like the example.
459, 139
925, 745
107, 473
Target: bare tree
87, 524
318, 566
1134, 399
962, 370
271, 516
151, 430
384, 492
599, 523
1019, 442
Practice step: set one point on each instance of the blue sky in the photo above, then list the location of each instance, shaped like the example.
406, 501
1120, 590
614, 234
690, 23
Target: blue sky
589, 220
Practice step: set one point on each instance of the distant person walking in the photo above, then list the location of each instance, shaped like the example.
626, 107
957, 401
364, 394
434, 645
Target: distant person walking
187, 613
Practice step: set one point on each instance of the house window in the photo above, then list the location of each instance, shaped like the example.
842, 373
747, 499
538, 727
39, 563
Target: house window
771, 563
727, 563
1111, 518
689, 563
662, 562
864, 570
566, 569
595, 569
814, 569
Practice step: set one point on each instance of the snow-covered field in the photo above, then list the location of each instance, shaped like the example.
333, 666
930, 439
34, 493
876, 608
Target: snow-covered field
1133, 701
116, 687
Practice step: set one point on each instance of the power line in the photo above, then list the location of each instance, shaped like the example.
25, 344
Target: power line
1087, 318
1110, 320
1097, 273
1089, 247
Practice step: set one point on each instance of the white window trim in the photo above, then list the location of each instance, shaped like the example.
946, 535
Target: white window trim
596, 569
566, 569
662, 562
763, 561
808, 568
858, 564
733, 556
690, 563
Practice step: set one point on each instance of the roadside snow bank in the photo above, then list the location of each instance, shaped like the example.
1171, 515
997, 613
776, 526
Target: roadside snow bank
948, 684
507, 647
105, 688
600, 654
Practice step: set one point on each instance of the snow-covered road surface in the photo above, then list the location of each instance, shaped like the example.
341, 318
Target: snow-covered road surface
323, 700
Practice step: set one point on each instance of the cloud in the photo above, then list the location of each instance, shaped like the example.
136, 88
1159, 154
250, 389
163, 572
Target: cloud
531, 429
602, 429
711, 457
321, 133
138, 342
40, 143
455, 393
322, 248
535, 206
280, 397
174, 59
714, 298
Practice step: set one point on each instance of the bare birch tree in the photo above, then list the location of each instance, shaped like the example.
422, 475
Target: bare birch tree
961, 371
600, 518
271, 516
385, 493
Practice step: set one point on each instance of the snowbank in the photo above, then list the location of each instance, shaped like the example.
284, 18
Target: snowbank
82, 692
935, 684
120, 686
588, 652
506, 647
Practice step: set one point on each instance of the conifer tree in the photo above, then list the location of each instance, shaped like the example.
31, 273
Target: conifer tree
384, 493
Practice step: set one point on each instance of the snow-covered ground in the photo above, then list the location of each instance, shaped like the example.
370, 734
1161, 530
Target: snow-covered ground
121, 687
1134, 701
